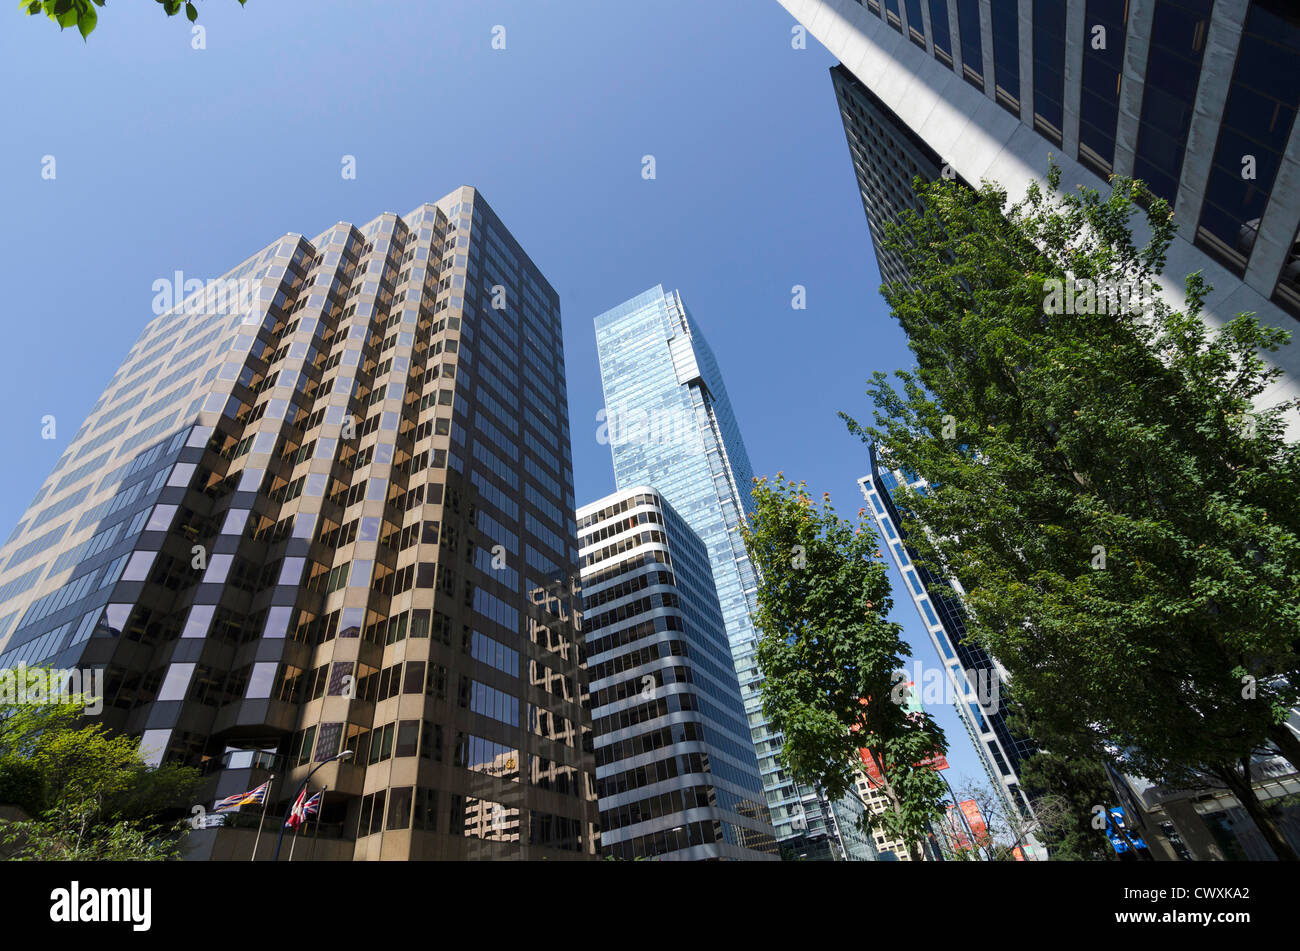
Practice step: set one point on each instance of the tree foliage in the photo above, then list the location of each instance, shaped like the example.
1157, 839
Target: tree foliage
828, 655
83, 15
90, 792
1075, 780
1122, 514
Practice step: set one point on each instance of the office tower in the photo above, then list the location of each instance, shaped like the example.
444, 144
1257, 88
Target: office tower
336, 517
878, 803
670, 424
1196, 97
971, 672
676, 772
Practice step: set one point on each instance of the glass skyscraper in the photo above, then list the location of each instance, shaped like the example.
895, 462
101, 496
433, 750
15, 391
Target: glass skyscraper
670, 424
969, 669
332, 515
675, 766
1198, 98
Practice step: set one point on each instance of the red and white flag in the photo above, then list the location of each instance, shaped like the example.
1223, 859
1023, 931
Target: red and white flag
303, 808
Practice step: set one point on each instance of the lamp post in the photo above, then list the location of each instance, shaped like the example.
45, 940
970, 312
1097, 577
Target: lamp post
279, 840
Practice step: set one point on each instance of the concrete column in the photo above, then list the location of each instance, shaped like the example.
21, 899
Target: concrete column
1137, 45
986, 48
1026, 17
1074, 40
1221, 42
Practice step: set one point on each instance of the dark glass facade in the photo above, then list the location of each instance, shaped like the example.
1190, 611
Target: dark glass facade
940, 30
1178, 32
892, 16
1006, 54
1106, 27
915, 23
1257, 119
1049, 69
972, 56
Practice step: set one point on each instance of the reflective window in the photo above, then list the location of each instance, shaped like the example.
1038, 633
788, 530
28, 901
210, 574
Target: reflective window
1257, 120
915, 23
1288, 285
1049, 68
939, 30
968, 26
1178, 31
1103, 66
1006, 54
891, 15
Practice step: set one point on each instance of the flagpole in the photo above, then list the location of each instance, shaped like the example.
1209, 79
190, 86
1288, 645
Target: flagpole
294, 841
280, 838
319, 812
261, 820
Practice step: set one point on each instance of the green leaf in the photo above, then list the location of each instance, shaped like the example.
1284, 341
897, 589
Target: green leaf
87, 23
192, 12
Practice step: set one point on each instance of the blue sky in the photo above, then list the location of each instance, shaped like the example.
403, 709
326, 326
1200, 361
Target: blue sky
170, 158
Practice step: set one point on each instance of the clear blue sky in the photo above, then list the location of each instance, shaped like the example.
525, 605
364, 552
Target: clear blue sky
170, 158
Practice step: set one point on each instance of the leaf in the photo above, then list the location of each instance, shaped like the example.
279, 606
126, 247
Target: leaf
87, 23
192, 12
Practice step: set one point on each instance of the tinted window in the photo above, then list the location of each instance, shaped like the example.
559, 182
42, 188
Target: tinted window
1178, 31
1103, 66
1006, 53
1049, 68
968, 25
1257, 120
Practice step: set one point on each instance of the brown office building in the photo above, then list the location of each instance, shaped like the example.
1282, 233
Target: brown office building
321, 519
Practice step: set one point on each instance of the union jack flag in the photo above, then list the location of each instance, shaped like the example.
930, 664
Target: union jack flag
302, 811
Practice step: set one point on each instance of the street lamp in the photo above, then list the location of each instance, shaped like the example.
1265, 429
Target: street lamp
280, 838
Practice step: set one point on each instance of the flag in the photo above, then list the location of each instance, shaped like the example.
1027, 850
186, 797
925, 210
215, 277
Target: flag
301, 810
252, 797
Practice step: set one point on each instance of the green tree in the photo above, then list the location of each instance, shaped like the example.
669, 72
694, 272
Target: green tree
829, 655
91, 793
1121, 514
82, 14
1078, 783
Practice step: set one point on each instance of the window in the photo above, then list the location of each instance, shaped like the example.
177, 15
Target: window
1257, 120
408, 737
1103, 68
1178, 30
939, 30
915, 23
892, 15
972, 57
1006, 54
1049, 69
